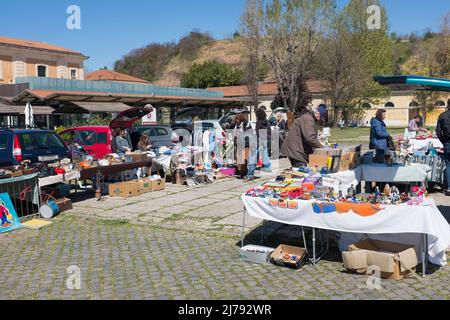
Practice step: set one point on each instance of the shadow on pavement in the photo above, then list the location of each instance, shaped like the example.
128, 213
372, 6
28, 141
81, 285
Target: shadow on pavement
445, 210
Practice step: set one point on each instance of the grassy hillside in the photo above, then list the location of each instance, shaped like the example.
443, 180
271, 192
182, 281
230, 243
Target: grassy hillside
164, 64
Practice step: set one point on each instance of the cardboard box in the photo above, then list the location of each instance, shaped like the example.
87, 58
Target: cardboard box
395, 260
319, 161
135, 157
146, 185
256, 254
349, 161
126, 189
300, 253
158, 184
64, 204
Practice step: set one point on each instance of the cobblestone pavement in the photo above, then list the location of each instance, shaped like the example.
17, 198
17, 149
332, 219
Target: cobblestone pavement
180, 243
124, 261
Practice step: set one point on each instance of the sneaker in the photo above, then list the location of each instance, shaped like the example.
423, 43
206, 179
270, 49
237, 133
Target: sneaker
447, 192
248, 179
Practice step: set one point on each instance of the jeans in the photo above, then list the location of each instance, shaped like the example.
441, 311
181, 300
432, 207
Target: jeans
253, 159
447, 163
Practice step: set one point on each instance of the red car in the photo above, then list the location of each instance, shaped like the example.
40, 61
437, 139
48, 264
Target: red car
98, 141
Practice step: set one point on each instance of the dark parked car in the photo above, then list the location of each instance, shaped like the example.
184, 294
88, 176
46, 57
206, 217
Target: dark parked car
17, 145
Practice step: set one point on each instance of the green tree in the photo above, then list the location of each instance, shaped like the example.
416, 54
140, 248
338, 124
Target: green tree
211, 74
351, 55
287, 34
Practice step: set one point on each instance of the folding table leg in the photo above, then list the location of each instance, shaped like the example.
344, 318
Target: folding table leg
304, 240
425, 255
243, 227
314, 246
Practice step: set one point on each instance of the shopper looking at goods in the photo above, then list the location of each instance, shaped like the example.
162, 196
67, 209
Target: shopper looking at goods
302, 139
144, 144
415, 124
122, 143
379, 136
263, 134
443, 133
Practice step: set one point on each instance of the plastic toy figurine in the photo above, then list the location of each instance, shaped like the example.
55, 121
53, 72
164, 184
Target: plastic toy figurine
387, 190
395, 191
351, 192
377, 191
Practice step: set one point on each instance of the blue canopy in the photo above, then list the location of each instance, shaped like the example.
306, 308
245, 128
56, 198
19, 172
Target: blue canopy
414, 83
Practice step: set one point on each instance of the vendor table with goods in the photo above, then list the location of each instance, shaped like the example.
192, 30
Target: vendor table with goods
60, 178
418, 144
307, 202
375, 172
99, 172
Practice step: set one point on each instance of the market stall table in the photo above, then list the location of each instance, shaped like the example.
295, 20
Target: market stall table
420, 144
414, 173
423, 219
95, 172
60, 178
99, 172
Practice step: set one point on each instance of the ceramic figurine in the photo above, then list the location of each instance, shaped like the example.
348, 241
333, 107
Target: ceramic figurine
395, 191
387, 190
351, 192
377, 191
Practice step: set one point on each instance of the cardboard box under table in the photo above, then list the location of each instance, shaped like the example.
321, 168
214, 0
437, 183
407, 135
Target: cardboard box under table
395, 260
256, 254
126, 189
300, 256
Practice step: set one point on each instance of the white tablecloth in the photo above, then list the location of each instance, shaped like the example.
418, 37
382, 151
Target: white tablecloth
419, 144
425, 219
383, 173
60, 178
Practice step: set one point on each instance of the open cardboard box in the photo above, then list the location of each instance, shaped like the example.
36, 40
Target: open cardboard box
395, 260
277, 256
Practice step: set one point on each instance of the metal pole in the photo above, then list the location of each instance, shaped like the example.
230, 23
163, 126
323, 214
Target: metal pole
424, 255
314, 246
243, 227
304, 240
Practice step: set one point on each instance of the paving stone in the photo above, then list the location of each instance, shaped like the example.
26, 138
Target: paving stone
200, 202
177, 209
236, 220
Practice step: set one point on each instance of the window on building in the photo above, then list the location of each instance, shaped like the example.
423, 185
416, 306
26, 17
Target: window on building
73, 74
414, 104
389, 105
439, 104
366, 106
41, 71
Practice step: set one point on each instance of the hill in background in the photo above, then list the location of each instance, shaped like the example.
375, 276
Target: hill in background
164, 64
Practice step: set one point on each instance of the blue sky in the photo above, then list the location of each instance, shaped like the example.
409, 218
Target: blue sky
111, 29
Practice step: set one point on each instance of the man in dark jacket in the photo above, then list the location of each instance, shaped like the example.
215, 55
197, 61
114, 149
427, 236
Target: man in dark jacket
379, 136
443, 133
301, 139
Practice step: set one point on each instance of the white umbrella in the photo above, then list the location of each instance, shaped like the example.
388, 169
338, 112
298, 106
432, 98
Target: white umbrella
29, 118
